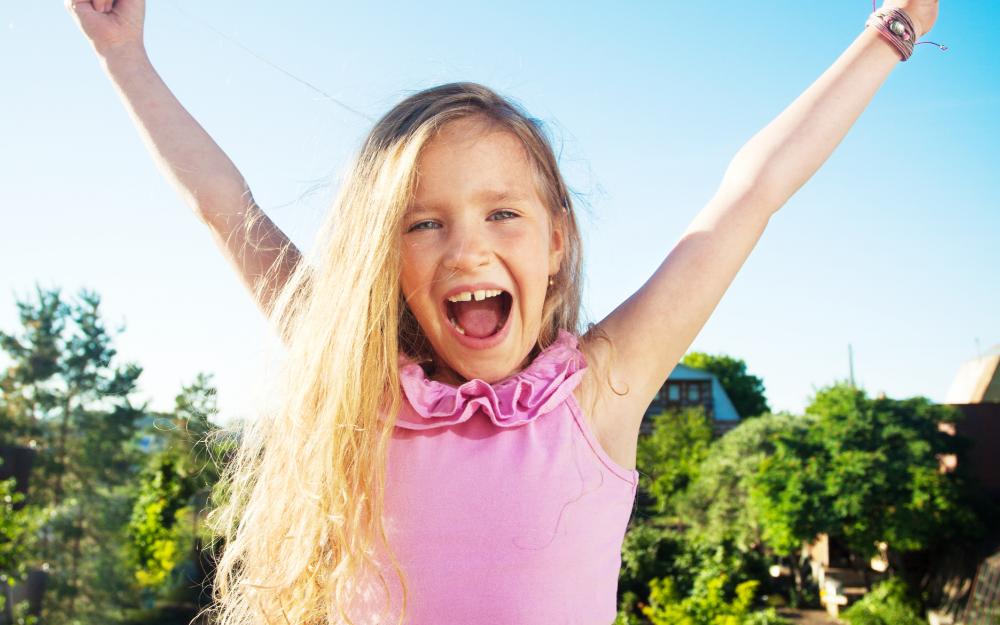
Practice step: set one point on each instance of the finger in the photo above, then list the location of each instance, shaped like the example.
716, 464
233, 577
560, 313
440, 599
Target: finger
104, 6
78, 5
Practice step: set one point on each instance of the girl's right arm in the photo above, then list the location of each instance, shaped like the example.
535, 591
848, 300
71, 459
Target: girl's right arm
198, 170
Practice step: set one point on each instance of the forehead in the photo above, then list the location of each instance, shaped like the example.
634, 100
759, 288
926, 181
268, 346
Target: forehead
471, 161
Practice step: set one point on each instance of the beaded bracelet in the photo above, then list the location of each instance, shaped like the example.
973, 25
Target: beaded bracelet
896, 26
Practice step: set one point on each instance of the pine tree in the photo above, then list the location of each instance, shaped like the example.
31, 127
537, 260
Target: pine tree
64, 395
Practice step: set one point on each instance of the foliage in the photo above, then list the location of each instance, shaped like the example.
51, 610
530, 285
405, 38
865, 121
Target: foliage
708, 604
718, 502
17, 531
886, 604
672, 453
651, 552
173, 489
867, 471
63, 393
744, 390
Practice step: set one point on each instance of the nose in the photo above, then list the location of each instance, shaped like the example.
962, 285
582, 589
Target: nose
467, 250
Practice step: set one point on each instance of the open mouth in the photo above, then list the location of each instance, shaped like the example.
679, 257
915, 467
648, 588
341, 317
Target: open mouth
479, 314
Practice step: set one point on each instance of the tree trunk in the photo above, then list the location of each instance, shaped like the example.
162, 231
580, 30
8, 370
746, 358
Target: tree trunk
797, 573
75, 563
61, 449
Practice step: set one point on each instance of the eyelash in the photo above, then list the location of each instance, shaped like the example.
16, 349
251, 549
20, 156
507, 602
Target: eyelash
419, 225
502, 212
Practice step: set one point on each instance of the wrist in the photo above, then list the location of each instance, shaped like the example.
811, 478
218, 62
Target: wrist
922, 14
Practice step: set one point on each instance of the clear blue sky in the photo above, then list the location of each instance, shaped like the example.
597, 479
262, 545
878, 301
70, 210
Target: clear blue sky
894, 247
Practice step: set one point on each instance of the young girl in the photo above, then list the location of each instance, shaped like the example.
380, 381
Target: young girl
449, 448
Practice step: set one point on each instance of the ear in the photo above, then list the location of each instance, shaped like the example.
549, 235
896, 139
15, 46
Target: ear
557, 245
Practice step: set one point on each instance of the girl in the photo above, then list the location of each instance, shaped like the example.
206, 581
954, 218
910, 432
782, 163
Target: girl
449, 449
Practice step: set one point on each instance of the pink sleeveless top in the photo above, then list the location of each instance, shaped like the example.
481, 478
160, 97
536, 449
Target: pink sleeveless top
500, 505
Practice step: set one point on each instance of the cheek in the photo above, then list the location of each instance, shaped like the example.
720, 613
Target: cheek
415, 281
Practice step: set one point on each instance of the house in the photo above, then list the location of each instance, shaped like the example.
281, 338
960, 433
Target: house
688, 387
977, 381
976, 392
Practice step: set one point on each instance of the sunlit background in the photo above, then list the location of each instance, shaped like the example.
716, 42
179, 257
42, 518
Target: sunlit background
893, 248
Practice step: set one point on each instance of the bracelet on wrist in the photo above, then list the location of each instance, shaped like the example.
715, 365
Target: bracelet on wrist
895, 25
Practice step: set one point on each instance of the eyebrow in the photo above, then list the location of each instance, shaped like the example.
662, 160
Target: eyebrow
499, 197
487, 196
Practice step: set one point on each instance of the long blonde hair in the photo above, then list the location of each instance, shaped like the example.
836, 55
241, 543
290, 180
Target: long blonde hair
300, 504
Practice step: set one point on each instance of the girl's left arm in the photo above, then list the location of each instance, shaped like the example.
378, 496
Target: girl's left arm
653, 328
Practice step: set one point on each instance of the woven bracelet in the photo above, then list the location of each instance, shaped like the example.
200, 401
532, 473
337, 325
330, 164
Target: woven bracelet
896, 26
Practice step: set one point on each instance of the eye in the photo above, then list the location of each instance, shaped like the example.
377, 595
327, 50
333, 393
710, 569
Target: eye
424, 225
503, 215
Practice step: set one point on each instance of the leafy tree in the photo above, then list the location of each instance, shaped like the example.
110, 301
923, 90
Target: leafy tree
718, 502
174, 488
867, 471
672, 453
744, 390
63, 392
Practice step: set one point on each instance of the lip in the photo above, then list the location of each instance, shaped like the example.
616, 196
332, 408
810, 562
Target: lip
469, 341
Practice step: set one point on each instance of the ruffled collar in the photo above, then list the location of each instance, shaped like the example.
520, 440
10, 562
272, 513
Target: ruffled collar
536, 390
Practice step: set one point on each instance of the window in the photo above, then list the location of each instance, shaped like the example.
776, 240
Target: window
673, 392
694, 393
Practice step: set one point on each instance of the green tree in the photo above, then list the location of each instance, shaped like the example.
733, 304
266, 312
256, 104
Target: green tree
165, 527
671, 454
867, 471
718, 503
744, 390
63, 392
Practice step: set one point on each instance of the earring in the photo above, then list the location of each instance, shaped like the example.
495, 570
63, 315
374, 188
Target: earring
552, 282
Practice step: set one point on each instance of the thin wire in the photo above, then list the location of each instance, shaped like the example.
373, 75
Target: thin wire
263, 60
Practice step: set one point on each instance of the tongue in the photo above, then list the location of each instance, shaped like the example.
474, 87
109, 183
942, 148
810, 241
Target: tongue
478, 319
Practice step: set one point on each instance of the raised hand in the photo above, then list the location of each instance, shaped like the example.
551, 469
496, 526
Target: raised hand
109, 24
923, 13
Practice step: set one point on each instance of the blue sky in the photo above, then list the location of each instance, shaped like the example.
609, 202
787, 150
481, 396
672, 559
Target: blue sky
893, 247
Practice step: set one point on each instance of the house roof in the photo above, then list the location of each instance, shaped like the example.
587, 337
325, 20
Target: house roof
977, 381
722, 406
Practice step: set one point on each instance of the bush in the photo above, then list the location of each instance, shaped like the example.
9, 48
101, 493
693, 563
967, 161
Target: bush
651, 552
707, 605
887, 604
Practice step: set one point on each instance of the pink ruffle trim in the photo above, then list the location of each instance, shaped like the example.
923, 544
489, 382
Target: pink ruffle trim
539, 388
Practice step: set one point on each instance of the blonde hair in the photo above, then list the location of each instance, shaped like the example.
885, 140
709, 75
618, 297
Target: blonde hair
300, 504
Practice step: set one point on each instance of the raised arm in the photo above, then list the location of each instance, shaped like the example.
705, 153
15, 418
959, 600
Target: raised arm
654, 327
198, 170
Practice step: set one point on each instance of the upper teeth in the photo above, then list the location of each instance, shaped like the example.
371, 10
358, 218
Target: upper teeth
466, 296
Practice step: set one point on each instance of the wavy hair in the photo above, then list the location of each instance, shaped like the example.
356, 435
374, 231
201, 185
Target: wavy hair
300, 504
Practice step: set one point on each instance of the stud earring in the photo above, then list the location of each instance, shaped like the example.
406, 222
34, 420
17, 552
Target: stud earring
551, 281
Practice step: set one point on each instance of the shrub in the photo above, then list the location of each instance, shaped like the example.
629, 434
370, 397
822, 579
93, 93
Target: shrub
887, 604
707, 605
